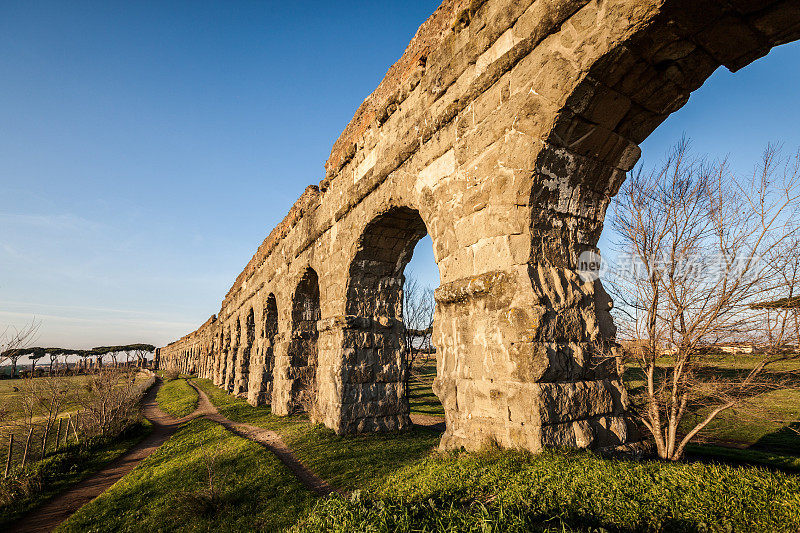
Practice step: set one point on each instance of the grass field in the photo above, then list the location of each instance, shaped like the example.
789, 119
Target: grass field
16, 418
169, 491
759, 431
565, 491
177, 398
421, 398
11, 400
408, 488
402, 484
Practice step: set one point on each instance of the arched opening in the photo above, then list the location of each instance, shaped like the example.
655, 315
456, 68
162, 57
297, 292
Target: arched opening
375, 372
236, 345
243, 369
306, 313
270, 331
230, 362
733, 116
218, 359
419, 306
261, 373
620, 97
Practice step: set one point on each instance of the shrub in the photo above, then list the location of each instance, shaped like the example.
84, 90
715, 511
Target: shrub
111, 402
208, 501
39, 480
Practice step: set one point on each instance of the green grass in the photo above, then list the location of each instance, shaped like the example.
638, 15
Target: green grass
781, 461
44, 479
758, 432
11, 400
177, 398
347, 462
401, 486
420, 392
565, 491
167, 491
761, 424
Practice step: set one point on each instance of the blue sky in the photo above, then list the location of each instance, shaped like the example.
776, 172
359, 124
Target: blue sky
146, 148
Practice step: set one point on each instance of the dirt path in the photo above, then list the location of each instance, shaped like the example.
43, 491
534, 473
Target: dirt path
268, 439
47, 517
429, 422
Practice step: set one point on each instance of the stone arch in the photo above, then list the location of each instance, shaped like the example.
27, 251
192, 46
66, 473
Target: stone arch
617, 91
230, 356
218, 357
270, 332
622, 88
261, 374
303, 348
236, 348
614, 76
247, 333
374, 284
512, 135
374, 385
219, 377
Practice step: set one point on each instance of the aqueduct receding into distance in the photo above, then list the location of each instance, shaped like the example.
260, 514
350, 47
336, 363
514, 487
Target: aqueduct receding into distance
503, 131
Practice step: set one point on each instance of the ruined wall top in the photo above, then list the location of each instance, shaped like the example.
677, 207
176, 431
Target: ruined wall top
196, 334
309, 198
428, 36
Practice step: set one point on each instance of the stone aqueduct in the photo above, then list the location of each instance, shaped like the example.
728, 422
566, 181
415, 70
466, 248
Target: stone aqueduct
503, 131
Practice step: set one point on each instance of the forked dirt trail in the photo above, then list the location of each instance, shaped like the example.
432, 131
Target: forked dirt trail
47, 517
51, 514
268, 439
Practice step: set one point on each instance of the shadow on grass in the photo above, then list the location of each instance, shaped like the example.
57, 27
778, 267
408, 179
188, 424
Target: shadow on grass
785, 440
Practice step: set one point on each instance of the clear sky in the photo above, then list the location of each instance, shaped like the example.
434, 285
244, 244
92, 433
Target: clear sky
147, 148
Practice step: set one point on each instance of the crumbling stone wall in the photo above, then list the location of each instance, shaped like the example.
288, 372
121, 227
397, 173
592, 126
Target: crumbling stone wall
503, 131
192, 354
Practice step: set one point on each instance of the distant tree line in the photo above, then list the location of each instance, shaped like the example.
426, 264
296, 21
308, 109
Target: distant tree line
34, 354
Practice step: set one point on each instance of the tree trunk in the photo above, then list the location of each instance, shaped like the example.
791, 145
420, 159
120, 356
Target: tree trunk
58, 431
8, 459
27, 447
44, 438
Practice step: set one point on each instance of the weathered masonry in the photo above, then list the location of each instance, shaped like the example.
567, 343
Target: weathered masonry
503, 132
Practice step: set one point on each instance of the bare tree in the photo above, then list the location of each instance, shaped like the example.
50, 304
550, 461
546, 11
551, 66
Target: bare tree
418, 309
43, 399
780, 310
692, 238
14, 340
